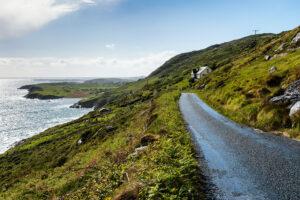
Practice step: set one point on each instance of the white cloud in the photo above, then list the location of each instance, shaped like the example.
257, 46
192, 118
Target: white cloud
82, 67
18, 17
88, 1
110, 46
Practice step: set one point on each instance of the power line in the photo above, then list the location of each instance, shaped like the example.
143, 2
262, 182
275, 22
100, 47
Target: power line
255, 31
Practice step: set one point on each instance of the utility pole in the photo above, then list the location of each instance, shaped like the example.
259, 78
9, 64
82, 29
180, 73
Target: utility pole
255, 31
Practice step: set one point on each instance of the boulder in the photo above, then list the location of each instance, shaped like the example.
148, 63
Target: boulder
202, 86
280, 100
290, 96
294, 88
279, 55
281, 47
296, 39
76, 105
272, 69
138, 151
295, 110
109, 128
18, 143
267, 57
104, 110
79, 142
125, 177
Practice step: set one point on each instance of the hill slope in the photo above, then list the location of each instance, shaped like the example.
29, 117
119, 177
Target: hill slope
241, 85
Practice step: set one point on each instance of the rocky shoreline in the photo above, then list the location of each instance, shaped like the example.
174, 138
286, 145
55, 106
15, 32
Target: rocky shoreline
42, 97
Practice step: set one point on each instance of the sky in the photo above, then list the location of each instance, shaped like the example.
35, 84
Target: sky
124, 38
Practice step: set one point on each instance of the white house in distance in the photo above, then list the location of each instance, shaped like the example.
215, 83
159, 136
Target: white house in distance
199, 73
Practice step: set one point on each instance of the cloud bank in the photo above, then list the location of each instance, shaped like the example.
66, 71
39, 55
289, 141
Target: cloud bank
110, 46
18, 17
82, 67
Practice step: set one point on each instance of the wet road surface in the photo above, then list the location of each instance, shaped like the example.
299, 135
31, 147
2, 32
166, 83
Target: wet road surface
238, 161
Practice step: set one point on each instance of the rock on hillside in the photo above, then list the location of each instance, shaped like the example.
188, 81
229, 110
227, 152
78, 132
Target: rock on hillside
290, 96
296, 39
295, 110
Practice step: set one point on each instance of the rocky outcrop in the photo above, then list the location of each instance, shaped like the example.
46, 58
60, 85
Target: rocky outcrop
76, 105
281, 47
84, 104
30, 88
104, 110
295, 110
79, 142
109, 128
290, 96
138, 151
272, 69
296, 39
279, 55
18, 143
267, 57
91, 103
41, 96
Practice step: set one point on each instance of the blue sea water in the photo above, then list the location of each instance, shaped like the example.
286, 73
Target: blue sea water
21, 118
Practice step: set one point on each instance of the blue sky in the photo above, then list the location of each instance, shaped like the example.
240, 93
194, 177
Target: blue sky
125, 37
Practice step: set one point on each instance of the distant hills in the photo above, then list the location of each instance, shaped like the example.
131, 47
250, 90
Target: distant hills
113, 80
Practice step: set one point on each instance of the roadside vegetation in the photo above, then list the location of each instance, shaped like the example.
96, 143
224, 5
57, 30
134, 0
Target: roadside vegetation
241, 84
128, 151
242, 90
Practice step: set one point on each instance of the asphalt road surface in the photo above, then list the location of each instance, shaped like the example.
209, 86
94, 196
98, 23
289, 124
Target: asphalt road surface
239, 162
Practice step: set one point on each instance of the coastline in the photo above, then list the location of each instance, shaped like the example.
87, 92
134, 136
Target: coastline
32, 93
88, 93
23, 117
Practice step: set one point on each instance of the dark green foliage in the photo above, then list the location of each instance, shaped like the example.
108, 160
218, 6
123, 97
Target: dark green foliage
274, 81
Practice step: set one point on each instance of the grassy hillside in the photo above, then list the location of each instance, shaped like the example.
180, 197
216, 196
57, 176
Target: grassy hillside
113, 80
96, 156
140, 148
241, 85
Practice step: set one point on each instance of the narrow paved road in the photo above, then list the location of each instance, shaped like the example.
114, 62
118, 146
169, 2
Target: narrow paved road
241, 163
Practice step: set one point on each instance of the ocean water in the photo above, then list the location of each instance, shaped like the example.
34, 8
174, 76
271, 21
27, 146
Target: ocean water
21, 118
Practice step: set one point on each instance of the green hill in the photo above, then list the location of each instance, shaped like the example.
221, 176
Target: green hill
113, 80
241, 85
139, 146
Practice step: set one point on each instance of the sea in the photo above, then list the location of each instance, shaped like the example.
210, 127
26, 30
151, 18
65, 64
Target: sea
21, 118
